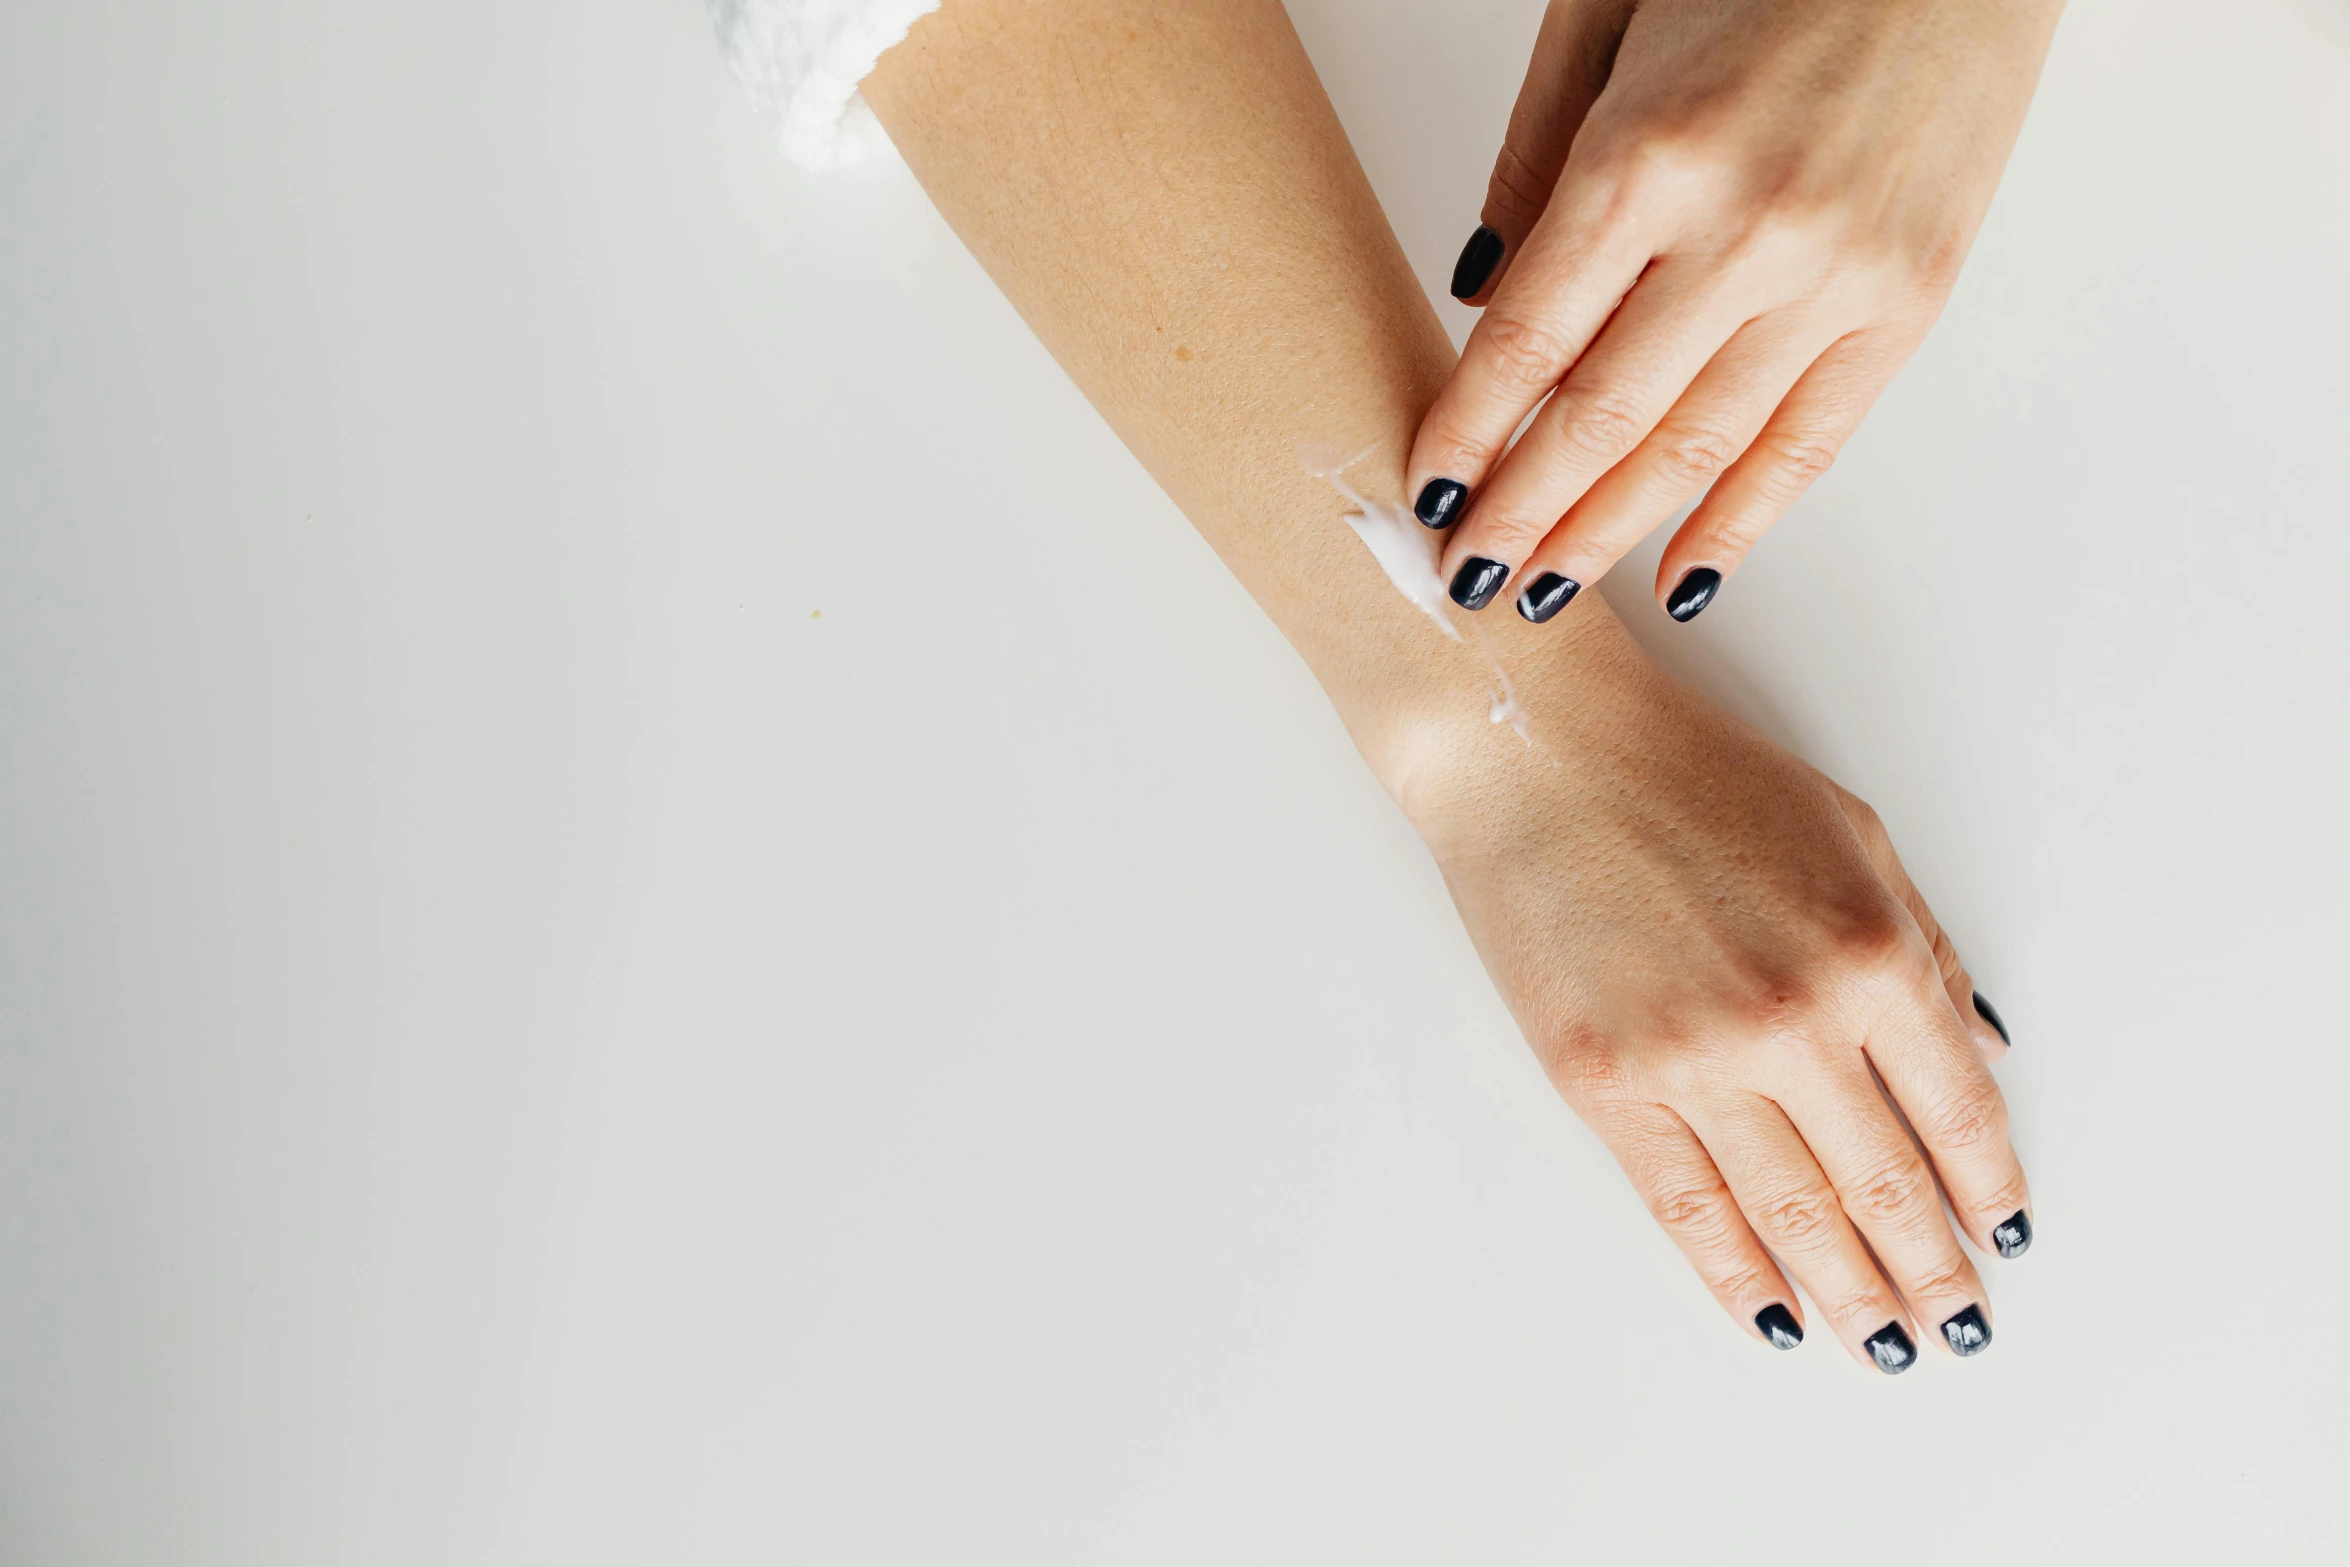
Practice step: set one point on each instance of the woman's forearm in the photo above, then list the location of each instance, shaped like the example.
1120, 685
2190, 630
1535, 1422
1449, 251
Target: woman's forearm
1166, 196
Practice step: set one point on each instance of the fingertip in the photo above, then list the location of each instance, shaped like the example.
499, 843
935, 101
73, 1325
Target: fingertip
1891, 1349
1983, 1024
1697, 587
1480, 259
1438, 505
1780, 1327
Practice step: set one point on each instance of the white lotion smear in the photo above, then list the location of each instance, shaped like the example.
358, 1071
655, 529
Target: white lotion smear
1407, 552
1404, 549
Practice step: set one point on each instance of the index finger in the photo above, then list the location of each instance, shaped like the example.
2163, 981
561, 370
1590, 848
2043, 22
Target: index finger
1576, 267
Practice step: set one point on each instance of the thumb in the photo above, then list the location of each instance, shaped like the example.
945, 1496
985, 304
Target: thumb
1989, 1035
1573, 54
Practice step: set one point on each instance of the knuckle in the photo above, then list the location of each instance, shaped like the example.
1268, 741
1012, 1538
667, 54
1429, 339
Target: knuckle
1691, 1060
1589, 1077
1601, 424
1516, 194
1801, 1220
1947, 962
1973, 1118
1695, 456
1512, 533
1692, 1211
1859, 1306
1889, 1195
1523, 353
2011, 1195
1668, 159
1866, 822
1447, 445
1872, 937
1936, 266
1944, 1281
1798, 458
1745, 1281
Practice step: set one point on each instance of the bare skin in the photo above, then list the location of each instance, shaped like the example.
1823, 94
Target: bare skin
1721, 227
1708, 944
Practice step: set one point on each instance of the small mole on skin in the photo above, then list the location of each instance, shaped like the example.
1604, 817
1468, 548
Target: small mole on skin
815, 614
1183, 352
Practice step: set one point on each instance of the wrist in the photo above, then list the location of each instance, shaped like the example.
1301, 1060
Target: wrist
1451, 759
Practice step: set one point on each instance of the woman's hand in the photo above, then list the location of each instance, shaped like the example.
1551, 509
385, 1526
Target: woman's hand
1726, 972
1716, 230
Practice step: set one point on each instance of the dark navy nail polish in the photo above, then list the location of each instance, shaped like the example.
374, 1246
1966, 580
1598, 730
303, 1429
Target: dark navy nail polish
1991, 1016
1693, 594
1478, 259
1778, 1324
1439, 505
1891, 1349
1544, 597
1967, 1332
1474, 585
2014, 1237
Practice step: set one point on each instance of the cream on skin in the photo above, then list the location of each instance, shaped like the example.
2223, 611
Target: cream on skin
1407, 553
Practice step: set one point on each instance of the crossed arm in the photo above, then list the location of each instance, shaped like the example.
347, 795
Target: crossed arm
1711, 947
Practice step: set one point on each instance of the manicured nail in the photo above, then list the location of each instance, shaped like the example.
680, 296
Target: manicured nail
1474, 585
1695, 592
1440, 502
1778, 1324
2014, 1237
1991, 1016
1891, 1349
1967, 1332
1545, 597
1478, 258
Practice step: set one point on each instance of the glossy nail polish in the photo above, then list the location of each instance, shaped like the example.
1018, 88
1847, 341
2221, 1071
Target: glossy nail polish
1991, 1016
1891, 1349
1440, 500
1478, 259
1474, 585
2014, 1236
1544, 597
1778, 1324
1967, 1332
1694, 592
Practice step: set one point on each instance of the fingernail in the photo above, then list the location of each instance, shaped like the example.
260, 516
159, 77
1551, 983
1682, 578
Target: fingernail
2014, 1237
1778, 1324
1439, 502
1474, 585
1891, 1349
1545, 597
1477, 261
1695, 592
1991, 1016
1967, 1332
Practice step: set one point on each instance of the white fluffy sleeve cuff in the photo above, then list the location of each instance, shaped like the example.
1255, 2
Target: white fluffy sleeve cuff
801, 61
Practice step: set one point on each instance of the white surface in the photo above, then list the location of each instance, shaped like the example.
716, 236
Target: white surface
520, 1045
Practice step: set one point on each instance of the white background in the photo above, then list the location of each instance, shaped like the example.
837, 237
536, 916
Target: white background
519, 1043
